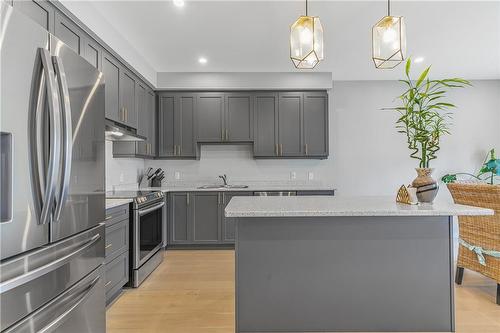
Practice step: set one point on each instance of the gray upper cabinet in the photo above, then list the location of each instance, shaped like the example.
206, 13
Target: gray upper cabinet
210, 117
238, 124
92, 52
176, 137
127, 98
289, 124
143, 119
265, 107
69, 33
205, 217
111, 70
315, 124
39, 11
151, 106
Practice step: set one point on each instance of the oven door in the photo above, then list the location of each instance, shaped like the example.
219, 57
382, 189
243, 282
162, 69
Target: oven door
148, 233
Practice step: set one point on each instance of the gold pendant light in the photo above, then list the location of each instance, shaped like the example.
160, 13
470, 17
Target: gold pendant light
389, 41
306, 41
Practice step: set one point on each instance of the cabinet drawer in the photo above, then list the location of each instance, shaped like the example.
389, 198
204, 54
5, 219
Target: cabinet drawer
320, 192
116, 275
116, 239
117, 214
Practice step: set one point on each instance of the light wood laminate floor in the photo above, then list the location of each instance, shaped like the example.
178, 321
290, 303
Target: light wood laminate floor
193, 291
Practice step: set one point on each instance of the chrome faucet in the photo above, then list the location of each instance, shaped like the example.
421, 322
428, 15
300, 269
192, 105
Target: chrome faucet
224, 179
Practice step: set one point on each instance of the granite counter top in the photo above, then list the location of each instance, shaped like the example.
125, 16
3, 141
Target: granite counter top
112, 203
341, 206
252, 187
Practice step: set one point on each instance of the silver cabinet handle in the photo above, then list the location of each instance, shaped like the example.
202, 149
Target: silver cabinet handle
222, 134
276, 149
281, 149
142, 212
55, 137
107, 284
227, 134
109, 217
108, 246
305, 146
44, 269
78, 299
67, 145
187, 199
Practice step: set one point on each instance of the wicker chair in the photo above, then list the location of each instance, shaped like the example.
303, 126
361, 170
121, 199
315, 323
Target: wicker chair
478, 231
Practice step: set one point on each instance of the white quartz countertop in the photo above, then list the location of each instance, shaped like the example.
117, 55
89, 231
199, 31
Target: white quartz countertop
252, 187
341, 206
112, 203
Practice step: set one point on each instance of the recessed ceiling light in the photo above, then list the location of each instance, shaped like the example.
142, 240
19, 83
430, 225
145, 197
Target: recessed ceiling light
202, 60
418, 60
179, 3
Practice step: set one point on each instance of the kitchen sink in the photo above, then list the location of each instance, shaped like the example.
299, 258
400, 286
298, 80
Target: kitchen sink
220, 187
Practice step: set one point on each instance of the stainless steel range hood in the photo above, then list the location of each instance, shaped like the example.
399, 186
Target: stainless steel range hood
118, 132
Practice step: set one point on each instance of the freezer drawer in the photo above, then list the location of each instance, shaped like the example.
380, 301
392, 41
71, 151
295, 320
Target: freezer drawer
28, 282
80, 309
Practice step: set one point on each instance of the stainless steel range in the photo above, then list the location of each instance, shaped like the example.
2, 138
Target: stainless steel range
146, 232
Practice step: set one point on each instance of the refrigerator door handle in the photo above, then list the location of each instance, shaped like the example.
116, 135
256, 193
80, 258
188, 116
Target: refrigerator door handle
42, 270
67, 137
45, 178
77, 299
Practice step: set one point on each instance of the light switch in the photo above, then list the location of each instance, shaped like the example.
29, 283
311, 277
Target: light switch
122, 177
177, 175
293, 175
310, 175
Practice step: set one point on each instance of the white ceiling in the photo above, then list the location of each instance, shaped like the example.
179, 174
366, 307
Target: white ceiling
459, 38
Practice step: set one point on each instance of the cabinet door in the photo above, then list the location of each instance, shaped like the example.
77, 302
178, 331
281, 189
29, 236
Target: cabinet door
92, 52
289, 124
143, 121
228, 224
239, 117
210, 114
111, 88
185, 114
41, 12
180, 218
127, 98
315, 124
166, 126
205, 218
69, 33
265, 124
151, 101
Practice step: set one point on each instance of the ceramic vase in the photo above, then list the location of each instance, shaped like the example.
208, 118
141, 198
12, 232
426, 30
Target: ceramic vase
427, 187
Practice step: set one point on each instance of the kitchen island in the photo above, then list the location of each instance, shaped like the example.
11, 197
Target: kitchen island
306, 264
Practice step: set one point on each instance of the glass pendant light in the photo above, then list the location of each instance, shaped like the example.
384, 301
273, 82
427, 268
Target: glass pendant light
306, 41
389, 41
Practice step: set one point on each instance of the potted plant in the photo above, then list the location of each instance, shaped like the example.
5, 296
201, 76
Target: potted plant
424, 117
490, 169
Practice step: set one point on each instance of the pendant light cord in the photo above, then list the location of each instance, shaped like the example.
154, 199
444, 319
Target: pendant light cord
306, 7
388, 7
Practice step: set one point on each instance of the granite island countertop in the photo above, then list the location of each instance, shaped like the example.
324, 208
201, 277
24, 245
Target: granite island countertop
342, 206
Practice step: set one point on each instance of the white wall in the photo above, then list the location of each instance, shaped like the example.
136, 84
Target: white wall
367, 156
121, 171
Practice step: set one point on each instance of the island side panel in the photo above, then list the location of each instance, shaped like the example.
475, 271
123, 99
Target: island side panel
344, 274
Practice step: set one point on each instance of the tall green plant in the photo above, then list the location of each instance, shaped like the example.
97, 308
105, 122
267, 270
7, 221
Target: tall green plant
425, 115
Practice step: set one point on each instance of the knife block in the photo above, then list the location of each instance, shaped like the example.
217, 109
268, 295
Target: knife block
155, 183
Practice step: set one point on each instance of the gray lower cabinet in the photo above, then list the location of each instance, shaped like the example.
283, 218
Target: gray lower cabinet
177, 125
39, 11
116, 251
228, 223
194, 218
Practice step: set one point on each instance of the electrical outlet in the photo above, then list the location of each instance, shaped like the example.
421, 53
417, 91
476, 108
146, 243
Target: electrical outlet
122, 177
177, 175
293, 175
310, 175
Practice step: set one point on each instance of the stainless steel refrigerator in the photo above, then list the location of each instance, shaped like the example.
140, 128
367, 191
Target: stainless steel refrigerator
52, 197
